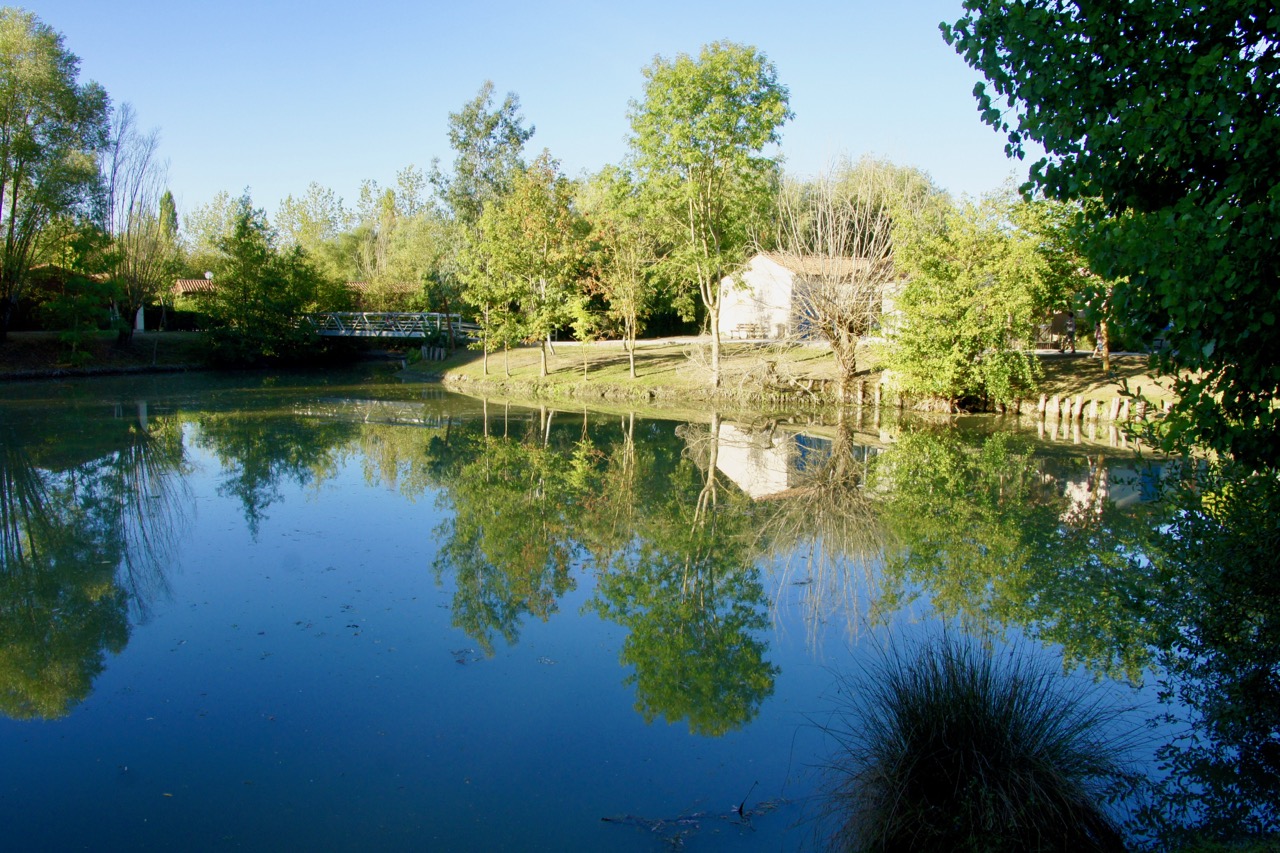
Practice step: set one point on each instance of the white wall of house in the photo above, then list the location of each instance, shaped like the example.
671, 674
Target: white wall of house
761, 305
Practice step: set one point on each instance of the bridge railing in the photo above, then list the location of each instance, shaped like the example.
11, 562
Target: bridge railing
387, 324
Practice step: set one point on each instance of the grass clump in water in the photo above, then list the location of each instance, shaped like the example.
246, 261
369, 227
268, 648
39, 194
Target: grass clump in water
956, 749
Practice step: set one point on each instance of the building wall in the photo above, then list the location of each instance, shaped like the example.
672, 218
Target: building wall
761, 305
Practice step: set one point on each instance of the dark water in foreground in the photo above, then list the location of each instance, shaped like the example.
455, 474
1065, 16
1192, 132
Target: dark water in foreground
342, 613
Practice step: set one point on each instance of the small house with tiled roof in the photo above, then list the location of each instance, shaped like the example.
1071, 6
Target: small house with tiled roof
764, 300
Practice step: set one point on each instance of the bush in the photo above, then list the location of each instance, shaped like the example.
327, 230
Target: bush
955, 749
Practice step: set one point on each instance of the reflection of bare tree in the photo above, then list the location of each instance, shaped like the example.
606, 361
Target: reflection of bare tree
81, 546
23, 495
152, 497
825, 534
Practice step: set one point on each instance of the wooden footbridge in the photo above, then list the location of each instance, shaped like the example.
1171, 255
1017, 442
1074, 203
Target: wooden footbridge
409, 325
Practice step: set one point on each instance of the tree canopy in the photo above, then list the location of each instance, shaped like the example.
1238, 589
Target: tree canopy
487, 142
1163, 119
51, 125
701, 144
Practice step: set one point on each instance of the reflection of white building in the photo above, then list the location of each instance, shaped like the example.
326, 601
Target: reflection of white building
767, 463
759, 463
1121, 486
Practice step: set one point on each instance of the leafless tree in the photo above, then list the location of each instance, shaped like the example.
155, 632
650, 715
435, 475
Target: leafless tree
143, 250
836, 235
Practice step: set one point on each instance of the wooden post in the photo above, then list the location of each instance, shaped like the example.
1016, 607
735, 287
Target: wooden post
1044, 401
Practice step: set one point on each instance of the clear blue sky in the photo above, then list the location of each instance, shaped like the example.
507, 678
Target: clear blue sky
273, 95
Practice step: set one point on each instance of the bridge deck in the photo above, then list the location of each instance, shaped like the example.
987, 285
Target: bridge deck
369, 324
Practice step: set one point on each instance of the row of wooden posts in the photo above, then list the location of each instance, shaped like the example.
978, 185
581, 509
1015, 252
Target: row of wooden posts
1118, 410
1057, 407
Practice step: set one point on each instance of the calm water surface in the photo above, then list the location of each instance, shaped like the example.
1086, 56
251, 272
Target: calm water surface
297, 612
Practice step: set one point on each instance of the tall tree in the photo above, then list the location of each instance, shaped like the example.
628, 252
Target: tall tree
623, 252
487, 142
1163, 119
701, 144
50, 127
144, 249
836, 233
965, 320
204, 227
259, 294
534, 239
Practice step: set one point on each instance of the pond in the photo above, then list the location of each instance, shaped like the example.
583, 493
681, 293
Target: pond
340, 612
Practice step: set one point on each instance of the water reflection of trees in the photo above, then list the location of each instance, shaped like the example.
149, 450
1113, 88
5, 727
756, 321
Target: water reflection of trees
824, 532
507, 543
260, 449
1182, 588
536, 495
83, 542
689, 592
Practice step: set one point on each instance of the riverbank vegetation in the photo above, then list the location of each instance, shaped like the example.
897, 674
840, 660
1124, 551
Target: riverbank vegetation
1152, 224
653, 245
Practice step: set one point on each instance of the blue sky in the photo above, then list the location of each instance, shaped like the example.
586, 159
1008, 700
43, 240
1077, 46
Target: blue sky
273, 95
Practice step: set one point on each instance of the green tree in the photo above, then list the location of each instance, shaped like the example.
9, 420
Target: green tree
202, 230
1162, 119
701, 145
624, 250
487, 142
966, 318
316, 222
50, 128
532, 238
259, 295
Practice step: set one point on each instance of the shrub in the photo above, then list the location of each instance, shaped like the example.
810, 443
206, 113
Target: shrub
956, 749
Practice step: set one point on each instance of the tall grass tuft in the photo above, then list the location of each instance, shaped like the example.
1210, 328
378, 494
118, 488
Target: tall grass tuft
953, 748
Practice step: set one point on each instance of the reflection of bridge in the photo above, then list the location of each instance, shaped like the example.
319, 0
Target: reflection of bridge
367, 324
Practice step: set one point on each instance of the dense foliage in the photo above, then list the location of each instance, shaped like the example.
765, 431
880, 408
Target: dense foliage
51, 126
261, 293
702, 146
1163, 119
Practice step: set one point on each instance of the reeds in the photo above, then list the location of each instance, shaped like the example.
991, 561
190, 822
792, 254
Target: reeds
954, 748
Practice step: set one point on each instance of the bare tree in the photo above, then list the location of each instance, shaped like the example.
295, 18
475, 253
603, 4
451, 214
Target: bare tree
144, 250
836, 234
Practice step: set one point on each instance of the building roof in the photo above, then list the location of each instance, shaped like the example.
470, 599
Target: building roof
192, 286
816, 266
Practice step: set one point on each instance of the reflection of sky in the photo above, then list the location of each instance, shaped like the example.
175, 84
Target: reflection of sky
302, 688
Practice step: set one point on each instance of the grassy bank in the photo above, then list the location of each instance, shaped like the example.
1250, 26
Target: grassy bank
677, 370
668, 372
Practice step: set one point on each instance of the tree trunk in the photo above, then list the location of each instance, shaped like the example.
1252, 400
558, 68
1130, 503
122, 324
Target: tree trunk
448, 323
1104, 345
713, 316
631, 356
6, 312
542, 351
